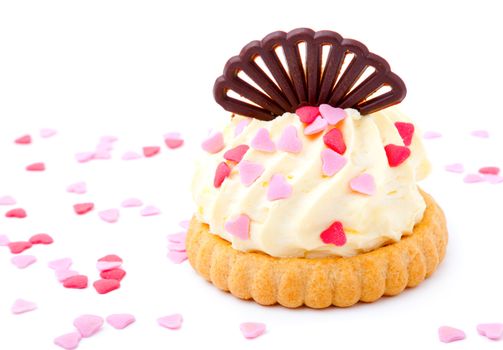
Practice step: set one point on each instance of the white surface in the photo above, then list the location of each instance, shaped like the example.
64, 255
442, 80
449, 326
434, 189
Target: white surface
119, 67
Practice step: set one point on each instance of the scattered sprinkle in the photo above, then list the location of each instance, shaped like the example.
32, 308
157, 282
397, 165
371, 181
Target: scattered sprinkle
83, 208
331, 162
150, 210
448, 334
262, 141
455, 168
317, 126
16, 213
78, 188
113, 274
221, 173
109, 215
46, 133
363, 184
104, 286
489, 170
84, 157
131, 202
120, 321
428, 135
177, 237
68, 341
172, 321
36, 167
23, 261
111, 258
406, 131
332, 115
7, 200
289, 141
19, 247
173, 140
151, 151
396, 154
130, 156
334, 234
484, 134
278, 188
493, 179
75, 282
23, 140
236, 154
60, 264
241, 126
493, 331
214, 143
4, 240
249, 172
177, 257
88, 325
252, 330
63, 275
41, 238
21, 306
307, 114
335, 141
177, 246
473, 178
108, 265
239, 227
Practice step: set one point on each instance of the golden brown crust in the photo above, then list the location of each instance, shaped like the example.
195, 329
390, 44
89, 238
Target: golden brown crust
322, 282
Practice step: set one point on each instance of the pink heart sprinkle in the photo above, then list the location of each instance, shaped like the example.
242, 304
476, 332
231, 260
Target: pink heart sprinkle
214, 143
84, 157
480, 133
455, 168
363, 184
108, 265
473, 178
493, 179
241, 126
252, 330
68, 341
21, 306
331, 162
78, 187
102, 154
109, 215
7, 200
172, 321
130, 155
120, 321
289, 141
4, 240
278, 188
131, 202
239, 227
60, 264
448, 334
249, 172
332, 115
262, 141
150, 210
173, 140
88, 325
177, 257
62, 275
431, 135
177, 237
318, 125
45, 133
23, 261
493, 331
489, 170
177, 246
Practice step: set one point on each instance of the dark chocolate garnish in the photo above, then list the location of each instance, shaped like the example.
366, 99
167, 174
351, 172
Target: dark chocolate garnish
309, 82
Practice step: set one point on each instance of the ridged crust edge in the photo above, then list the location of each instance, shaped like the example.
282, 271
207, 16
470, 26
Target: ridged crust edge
320, 283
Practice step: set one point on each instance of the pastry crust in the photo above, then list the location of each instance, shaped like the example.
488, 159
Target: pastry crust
322, 282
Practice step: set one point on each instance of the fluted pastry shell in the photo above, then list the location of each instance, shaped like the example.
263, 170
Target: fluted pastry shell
321, 282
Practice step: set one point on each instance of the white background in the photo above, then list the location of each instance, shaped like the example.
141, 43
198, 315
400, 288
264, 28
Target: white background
138, 69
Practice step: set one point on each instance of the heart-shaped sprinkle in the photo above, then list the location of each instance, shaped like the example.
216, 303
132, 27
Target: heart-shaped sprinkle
130, 156
177, 257
7, 200
76, 282
252, 330
84, 157
104, 286
493, 331
102, 154
69, 341
23, 261
221, 173
406, 131
171, 321
177, 237
449, 334
307, 114
151, 151
150, 210
480, 133
473, 178
78, 187
214, 143
289, 141
335, 141
236, 154
109, 215
16, 213
239, 227
63, 275
88, 325
114, 274
120, 321
317, 126
4, 240
278, 188
455, 168
19, 247
428, 135
107, 265
179, 246
36, 167
249, 172
363, 184
396, 154
334, 234
83, 208
173, 140
41, 238
111, 258
331, 162
241, 126
21, 306
489, 170
492, 179
60, 264
332, 115
46, 133
131, 202
23, 140
262, 141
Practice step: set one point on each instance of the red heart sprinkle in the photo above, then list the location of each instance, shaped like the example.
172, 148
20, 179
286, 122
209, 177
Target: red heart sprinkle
23, 140
223, 171
396, 154
114, 274
19, 247
111, 258
151, 151
406, 131
16, 213
83, 208
41, 238
334, 140
105, 286
334, 234
76, 282
236, 154
490, 170
36, 167
307, 114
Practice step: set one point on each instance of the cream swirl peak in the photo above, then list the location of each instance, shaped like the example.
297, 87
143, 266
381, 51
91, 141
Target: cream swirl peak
322, 182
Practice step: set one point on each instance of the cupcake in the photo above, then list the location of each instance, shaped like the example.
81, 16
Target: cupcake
309, 194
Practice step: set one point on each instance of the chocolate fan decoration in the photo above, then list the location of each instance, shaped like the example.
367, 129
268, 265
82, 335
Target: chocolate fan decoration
285, 89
